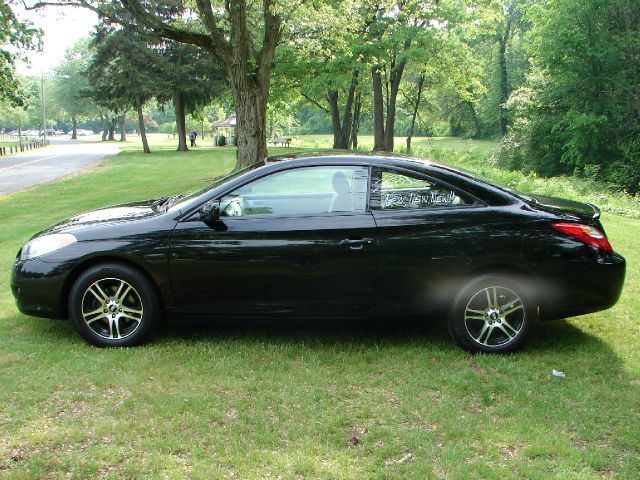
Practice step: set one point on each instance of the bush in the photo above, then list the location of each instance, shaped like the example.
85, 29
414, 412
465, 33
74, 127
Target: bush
221, 141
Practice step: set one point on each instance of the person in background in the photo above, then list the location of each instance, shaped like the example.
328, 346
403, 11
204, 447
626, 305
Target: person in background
192, 136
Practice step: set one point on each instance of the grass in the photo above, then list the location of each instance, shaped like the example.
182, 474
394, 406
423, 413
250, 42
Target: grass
296, 401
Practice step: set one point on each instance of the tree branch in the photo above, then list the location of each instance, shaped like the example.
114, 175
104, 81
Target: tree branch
325, 109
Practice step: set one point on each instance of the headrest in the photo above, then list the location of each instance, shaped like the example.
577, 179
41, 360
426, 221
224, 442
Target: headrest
341, 183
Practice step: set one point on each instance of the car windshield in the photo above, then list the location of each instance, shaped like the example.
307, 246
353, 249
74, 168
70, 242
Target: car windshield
216, 183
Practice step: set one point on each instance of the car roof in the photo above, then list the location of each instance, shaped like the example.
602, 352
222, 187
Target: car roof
333, 155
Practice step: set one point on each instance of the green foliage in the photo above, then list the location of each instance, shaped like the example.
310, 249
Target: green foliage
14, 36
581, 108
221, 141
169, 128
70, 86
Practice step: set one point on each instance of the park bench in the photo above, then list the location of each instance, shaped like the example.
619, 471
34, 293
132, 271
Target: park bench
282, 141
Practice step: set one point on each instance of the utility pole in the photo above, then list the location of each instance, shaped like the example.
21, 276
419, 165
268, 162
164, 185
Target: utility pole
43, 103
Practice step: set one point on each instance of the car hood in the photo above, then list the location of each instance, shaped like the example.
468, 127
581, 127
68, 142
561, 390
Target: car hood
583, 211
117, 214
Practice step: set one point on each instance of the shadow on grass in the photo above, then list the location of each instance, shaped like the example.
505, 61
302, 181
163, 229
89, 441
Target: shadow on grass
551, 339
431, 334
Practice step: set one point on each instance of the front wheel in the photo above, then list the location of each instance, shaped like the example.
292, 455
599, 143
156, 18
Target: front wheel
492, 313
113, 305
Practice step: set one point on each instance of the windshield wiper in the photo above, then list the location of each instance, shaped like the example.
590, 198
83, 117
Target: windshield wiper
158, 202
170, 201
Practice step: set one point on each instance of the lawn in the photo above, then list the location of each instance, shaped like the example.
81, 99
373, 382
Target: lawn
296, 401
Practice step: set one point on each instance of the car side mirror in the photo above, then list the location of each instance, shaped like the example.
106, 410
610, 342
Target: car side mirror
210, 211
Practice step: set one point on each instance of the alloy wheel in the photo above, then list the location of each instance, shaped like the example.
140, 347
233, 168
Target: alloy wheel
112, 308
494, 316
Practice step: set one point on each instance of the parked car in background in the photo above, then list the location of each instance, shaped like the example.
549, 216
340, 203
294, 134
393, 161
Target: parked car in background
81, 132
326, 235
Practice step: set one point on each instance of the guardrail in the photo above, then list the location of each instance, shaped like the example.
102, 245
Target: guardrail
23, 146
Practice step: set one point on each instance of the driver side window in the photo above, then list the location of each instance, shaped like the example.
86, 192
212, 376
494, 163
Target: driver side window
301, 191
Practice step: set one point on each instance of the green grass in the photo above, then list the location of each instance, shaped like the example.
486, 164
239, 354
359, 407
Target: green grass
293, 401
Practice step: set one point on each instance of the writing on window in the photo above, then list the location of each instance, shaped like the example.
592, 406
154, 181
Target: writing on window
397, 191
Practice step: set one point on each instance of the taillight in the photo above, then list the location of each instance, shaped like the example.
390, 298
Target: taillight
585, 234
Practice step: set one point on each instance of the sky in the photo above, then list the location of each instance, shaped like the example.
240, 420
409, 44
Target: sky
62, 27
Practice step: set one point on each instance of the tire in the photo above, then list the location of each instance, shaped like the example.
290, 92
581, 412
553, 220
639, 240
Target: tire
114, 305
492, 313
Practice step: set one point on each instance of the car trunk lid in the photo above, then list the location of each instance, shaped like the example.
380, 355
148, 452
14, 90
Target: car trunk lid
584, 212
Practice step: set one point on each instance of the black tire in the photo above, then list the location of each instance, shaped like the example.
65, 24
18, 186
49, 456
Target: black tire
114, 305
477, 321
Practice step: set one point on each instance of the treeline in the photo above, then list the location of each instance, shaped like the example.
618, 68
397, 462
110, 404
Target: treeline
556, 80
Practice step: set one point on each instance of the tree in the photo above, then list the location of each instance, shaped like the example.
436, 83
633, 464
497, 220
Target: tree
14, 36
242, 35
325, 68
124, 72
395, 31
69, 90
191, 79
12, 115
580, 110
496, 29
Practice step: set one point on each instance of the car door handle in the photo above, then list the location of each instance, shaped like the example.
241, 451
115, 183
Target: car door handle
356, 243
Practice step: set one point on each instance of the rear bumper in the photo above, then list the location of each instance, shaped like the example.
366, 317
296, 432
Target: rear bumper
37, 287
587, 288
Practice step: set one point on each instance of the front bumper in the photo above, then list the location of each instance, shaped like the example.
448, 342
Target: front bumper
38, 287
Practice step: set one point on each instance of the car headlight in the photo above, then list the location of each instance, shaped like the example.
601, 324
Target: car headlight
46, 244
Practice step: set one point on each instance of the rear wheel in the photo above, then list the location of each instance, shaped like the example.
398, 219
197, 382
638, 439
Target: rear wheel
492, 313
114, 305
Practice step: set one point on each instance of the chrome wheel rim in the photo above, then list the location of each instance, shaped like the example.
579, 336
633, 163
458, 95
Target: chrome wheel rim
494, 316
112, 308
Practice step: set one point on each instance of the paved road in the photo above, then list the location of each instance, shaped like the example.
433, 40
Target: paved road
62, 158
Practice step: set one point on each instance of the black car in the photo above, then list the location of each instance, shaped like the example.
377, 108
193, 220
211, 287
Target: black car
326, 235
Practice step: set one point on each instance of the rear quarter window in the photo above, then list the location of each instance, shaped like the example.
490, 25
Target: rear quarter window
394, 190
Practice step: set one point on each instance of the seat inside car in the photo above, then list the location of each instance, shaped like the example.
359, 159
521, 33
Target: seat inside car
342, 200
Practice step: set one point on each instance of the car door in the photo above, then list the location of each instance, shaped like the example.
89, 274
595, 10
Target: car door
425, 232
298, 241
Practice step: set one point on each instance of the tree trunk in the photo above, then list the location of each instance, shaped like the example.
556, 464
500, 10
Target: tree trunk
112, 130
122, 125
332, 100
74, 131
416, 106
341, 128
355, 127
504, 81
141, 127
181, 122
378, 109
251, 120
347, 115
105, 128
389, 129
